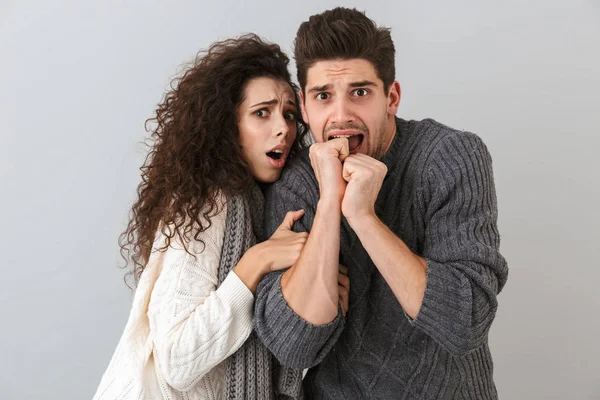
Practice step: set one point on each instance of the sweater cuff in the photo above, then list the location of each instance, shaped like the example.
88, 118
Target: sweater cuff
291, 318
303, 342
443, 313
238, 296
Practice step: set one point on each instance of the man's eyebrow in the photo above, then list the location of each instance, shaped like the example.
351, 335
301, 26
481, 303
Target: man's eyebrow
319, 88
323, 88
362, 84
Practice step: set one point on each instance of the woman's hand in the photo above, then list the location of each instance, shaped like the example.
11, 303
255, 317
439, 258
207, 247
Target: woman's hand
284, 246
280, 251
344, 288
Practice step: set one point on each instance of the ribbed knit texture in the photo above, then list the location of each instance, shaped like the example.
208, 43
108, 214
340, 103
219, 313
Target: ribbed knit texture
439, 198
251, 372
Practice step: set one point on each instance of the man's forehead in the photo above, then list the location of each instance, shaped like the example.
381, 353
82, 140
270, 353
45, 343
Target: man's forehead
338, 71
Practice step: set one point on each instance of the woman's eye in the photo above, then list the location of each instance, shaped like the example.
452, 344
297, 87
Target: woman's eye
291, 116
262, 113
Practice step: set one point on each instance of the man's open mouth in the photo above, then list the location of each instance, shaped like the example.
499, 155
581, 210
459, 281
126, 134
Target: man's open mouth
354, 141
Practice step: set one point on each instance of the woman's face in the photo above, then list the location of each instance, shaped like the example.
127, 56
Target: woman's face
267, 125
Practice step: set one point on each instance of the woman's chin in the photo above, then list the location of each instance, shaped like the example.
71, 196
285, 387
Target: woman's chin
268, 177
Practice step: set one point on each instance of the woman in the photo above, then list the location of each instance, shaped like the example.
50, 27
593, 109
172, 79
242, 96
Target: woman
229, 123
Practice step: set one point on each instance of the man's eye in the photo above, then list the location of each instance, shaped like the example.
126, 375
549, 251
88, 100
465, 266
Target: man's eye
291, 116
361, 92
322, 96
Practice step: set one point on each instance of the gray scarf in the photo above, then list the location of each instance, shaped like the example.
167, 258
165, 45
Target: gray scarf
252, 371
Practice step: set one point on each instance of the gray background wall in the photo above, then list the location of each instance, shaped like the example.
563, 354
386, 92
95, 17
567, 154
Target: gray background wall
78, 79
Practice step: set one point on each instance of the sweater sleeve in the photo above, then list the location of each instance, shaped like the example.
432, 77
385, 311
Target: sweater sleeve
294, 341
465, 270
195, 324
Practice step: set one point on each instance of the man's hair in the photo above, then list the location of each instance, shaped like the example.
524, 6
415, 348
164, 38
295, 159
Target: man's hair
343, 33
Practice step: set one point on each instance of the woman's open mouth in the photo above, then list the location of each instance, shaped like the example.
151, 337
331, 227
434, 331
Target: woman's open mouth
276, 157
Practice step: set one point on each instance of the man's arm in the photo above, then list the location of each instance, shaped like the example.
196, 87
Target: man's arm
451, 293
403, 270
297, 314
310, 286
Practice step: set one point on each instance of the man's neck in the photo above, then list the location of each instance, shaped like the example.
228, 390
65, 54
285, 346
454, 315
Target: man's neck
390, 132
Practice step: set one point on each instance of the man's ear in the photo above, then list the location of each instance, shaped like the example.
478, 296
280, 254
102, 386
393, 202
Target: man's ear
393, 98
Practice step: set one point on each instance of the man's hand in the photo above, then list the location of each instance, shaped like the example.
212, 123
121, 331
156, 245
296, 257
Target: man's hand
326, 160
365, 176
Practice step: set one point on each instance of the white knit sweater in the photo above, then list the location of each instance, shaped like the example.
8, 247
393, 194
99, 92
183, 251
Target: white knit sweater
182, 326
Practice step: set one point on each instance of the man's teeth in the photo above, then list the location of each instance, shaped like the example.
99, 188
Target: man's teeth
342, 136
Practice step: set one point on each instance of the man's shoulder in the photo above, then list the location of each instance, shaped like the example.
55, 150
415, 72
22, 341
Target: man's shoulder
299, 161
297, 175
432, 135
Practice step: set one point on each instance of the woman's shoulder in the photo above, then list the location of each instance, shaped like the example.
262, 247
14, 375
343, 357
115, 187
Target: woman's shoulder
213, 235
207, 233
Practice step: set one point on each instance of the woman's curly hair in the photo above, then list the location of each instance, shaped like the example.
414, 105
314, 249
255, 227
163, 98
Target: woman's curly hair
195, 151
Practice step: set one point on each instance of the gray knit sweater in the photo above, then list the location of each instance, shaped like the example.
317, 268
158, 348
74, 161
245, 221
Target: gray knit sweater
439, 198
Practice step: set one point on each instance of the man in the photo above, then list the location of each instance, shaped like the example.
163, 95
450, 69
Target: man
409, 207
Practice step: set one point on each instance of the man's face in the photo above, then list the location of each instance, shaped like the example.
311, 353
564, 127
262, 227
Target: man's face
345, 98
